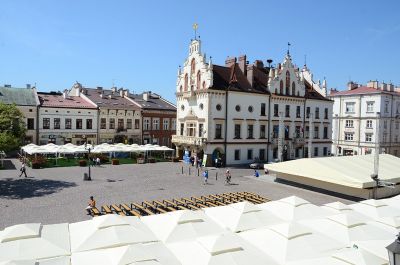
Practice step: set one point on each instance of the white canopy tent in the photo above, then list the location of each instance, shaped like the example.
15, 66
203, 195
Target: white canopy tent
242, 216
34, 241
294, 208
290, 242
181, 225
223, 249
347, 227
108, 231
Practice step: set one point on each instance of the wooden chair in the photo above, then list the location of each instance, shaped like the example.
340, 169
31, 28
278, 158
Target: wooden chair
117, 209
153, 207
95, 211
160, 204
141, 209
105, 209
130, 211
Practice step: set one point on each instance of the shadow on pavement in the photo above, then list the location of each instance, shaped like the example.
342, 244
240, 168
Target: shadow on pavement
28, 187
8, 164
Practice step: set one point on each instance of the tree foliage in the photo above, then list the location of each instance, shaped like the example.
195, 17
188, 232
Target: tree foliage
12, 127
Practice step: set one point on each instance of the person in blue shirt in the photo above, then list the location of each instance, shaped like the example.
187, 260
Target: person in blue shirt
256, 174
205, 176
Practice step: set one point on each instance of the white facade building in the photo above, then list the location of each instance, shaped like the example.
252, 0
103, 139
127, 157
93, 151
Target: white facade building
64, 118
241, 112
355, 114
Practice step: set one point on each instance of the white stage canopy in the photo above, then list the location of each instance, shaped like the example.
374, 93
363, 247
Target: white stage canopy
350, 175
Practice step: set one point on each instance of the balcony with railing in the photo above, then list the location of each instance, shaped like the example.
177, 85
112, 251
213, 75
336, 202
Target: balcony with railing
188, 140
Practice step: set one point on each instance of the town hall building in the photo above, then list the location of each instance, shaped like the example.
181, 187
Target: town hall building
241, 112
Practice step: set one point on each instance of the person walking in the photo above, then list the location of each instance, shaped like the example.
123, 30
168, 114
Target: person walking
228, 177
91, 205
205, 176
23, 169
98, 161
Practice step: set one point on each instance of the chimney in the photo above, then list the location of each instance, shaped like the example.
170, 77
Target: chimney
250, 74
391, 87
259, 64
146, 95
113, 89
126, 92
28, 86
384, 86
373, 84
243, 64
121, 92
230, 61
351, 85
65, 94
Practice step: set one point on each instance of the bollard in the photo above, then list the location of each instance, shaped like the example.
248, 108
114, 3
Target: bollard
182, 170
189, 170
216, 175
198, 172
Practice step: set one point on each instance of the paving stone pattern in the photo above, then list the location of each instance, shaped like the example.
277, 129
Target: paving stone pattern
58, 195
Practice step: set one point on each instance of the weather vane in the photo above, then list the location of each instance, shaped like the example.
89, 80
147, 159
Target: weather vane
195, 26
288, 46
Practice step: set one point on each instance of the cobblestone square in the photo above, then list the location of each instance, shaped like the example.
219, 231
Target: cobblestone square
57, 195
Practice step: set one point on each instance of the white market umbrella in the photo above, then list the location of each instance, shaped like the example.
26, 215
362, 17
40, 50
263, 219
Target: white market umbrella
294, 208
290, 242
375, 208
347, 227
108, 231
337, 207
34, 241
390, 224
123, 255
241, 216
359, 257
181, 225
222, 249
376, 247
19, 262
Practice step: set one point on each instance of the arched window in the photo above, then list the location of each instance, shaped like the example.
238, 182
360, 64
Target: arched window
281, 87
198, 79
287, 83
293, 89
204, 84
193, 66
180, 89
276, 91
186, 82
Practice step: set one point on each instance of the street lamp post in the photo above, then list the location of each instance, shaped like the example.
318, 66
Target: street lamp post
394, 251
89, 149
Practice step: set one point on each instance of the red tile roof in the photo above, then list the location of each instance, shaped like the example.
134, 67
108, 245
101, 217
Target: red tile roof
57, 100
360, 90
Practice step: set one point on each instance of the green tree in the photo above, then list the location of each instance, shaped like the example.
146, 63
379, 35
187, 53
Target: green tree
12, 127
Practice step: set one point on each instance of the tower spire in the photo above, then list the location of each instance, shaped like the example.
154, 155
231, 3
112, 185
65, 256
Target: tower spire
195, 27
288, 47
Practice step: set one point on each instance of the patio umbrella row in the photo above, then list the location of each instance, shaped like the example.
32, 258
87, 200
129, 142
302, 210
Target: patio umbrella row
288, 231
102, 148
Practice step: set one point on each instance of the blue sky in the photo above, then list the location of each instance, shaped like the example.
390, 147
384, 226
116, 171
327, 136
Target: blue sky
139, 44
